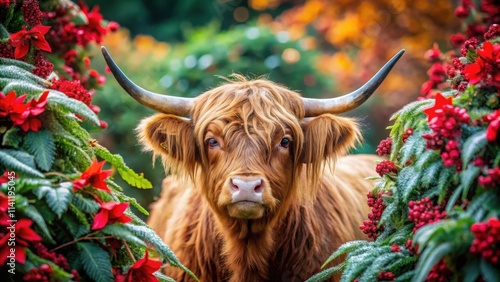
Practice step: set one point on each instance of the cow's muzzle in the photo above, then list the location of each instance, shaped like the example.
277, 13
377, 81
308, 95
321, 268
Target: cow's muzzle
247, 197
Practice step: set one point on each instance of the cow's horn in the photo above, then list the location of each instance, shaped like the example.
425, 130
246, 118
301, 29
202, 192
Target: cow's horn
179, 106
342, 104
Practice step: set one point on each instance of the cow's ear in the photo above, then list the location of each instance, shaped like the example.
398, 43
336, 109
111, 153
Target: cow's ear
328, 136
171, 137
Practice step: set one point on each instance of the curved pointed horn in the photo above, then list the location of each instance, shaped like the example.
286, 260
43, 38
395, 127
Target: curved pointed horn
179, 106
342, 104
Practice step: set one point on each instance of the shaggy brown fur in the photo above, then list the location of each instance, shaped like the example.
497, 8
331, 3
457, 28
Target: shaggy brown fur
308, 212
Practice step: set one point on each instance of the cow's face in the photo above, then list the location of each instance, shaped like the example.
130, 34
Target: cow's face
246, 146
246, 143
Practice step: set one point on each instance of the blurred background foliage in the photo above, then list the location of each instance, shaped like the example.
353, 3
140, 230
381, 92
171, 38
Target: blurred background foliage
319, 48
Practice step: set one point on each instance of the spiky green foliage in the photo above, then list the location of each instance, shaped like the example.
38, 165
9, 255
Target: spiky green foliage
42, 146
445, 192
95, 262
50, 172
130, 176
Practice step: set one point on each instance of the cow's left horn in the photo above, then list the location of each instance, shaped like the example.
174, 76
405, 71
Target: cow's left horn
179, 106
342, 104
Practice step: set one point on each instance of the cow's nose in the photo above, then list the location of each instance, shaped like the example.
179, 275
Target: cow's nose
247, 189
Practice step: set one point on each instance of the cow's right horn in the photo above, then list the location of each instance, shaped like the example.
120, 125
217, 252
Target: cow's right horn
179, 106
315, 107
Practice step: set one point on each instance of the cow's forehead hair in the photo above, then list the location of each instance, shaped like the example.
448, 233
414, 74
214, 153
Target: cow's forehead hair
260, 106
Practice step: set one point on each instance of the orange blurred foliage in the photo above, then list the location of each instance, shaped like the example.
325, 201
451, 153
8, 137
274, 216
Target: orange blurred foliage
357, 37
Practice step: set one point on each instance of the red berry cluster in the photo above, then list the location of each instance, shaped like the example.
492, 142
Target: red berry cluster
386, 167
395, 248
385, 147
370, 227
410, 248
492, 179
31, 12
58, 259
439, 272
386, 276
451, 155
43, 68
487, 240
423, 212
436, 73
407, 134
446, 132
42, 274
72, 89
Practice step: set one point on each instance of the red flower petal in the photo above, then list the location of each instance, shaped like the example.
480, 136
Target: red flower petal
100, 219
21, 49
43, 29
438, 105
42, 44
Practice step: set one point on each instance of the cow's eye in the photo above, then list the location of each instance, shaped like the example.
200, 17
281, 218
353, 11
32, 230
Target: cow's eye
285, 142
212, 143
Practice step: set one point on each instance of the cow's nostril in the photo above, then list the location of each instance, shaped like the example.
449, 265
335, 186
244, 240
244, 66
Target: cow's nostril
259, 188
234, 186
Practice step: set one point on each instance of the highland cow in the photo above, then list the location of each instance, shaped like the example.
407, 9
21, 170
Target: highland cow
260, 189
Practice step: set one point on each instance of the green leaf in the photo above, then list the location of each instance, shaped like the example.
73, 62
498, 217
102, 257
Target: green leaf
121, 232
388, 212
408, 180
58, 198
489, 272
445, 178
17, 73
471, 270
95, 262
427, 158
57, 98
453, 198
19, 161
467, 177
431, 172
378, 265
17, 63
26, 87
11, 138
130, 176
41, 144
474, 144
81, 158
414, 146
84, 204
357, 264
163, 277
149, 235
82, 219
345, 248
32, 212
429, 258
326, 274
70, 123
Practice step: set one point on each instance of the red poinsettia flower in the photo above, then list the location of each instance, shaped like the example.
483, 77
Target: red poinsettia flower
14, 107
24, 235
485, 66
22, 39
141, 271
441, 101
494, 126
111, 212
93, 30
93, 176
35, 108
